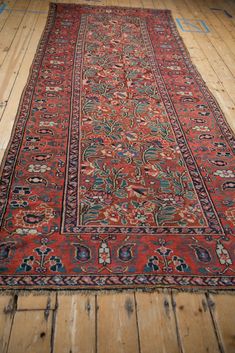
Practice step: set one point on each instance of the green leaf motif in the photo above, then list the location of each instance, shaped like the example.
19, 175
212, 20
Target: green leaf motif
91, 213
98, 183
120, 193
89, 106
89, 151
150, 154
165, 214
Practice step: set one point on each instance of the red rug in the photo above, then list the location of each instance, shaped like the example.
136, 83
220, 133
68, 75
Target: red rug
120, 170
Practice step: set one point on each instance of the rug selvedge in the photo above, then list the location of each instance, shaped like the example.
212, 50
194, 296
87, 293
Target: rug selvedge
120, 170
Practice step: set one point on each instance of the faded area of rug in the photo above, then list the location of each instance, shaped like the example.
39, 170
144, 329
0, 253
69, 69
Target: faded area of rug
120, 170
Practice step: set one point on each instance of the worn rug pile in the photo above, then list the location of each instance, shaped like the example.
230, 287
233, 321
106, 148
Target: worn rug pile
120, 169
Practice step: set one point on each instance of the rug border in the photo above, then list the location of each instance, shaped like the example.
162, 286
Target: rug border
37, 55
116, 288
141, 286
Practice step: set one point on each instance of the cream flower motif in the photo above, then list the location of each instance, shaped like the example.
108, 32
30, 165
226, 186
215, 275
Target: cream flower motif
53, 89
187, 216
87, 168
152, 170
25, 231
230, 214
108, 153
224, 173
56, 62
112, 214
201, 128
37, 168
174, 67
167, 154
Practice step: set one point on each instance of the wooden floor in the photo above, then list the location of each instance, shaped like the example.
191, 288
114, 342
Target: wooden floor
160, 322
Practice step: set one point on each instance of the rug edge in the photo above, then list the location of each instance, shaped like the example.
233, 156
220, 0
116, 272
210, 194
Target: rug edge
38, 289
114, 290
48, 24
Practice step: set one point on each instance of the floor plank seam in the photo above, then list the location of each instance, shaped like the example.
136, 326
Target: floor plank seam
137, 323
14, 307
173, 303
53, 324
210, 305
96, 324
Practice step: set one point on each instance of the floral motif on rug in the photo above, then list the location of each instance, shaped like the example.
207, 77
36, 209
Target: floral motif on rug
120, 169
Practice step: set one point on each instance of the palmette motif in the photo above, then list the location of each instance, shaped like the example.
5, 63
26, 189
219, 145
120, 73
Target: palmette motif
120, 172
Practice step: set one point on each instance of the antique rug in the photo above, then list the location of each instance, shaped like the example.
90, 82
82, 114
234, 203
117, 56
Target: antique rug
120, 170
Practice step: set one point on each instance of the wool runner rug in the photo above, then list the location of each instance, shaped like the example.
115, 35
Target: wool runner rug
120, 169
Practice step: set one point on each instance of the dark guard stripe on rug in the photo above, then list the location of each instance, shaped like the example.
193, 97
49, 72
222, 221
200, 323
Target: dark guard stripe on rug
120, 170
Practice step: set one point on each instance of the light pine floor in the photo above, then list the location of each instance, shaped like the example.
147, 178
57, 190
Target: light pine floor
161, 322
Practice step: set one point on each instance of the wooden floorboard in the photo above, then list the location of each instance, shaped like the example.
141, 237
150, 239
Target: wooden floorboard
162, 322
75, 324
157, 323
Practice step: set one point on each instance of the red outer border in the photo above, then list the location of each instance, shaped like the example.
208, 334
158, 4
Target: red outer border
56, 279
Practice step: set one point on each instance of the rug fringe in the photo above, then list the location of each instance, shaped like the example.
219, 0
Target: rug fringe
38, 292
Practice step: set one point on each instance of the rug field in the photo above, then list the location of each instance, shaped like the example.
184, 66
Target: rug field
120, 172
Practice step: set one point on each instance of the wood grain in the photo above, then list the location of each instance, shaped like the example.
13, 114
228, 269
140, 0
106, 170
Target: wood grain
7, 311
116, 324
222, 308
195, 326
33, 301
75, 324
156, 322
31, 332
